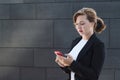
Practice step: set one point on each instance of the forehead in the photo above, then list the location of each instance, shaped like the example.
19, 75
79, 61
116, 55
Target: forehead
81, 18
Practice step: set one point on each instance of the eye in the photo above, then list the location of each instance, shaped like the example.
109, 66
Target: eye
76, 24
82, 23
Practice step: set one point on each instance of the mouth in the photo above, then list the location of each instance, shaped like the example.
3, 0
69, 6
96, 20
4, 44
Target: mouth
80, 30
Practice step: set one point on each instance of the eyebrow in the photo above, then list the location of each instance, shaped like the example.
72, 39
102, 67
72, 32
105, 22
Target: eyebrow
81, 21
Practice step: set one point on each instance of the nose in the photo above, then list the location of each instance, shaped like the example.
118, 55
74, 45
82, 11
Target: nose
78, 27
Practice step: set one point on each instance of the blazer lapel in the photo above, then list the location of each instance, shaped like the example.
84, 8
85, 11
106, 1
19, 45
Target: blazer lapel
86, 47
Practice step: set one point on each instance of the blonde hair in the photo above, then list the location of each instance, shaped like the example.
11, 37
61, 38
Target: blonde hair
92, 17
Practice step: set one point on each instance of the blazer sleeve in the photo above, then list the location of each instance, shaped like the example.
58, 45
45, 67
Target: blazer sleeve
97, 61
65, 69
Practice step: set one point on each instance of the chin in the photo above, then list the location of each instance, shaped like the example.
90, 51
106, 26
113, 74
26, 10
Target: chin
81, 34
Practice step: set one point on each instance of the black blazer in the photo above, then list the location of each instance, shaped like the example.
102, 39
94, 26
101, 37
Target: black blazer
90, 60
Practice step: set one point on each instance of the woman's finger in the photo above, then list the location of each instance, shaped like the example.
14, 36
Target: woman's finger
60, 64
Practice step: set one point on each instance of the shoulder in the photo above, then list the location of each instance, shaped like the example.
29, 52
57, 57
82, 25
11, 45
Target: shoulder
98, 43
96, 40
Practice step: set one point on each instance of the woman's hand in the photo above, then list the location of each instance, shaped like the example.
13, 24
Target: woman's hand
58, 61
64, 61
68, 60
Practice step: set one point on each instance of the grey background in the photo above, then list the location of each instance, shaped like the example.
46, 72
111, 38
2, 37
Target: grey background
30, 31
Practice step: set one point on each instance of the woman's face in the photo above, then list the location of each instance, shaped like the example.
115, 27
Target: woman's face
83, 26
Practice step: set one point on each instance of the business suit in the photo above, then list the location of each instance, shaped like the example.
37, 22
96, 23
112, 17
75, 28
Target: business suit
89, 61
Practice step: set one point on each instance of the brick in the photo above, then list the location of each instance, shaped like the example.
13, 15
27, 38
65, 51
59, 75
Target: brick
54, 10
115, 0
27, 33
114, 33
9, 73
38, 1
22, 11
32, 74
16, 57
56, 74
94, 0
65, 0
80, 0
117, 74
112, 59
103, 9
4, 12
107, 74
11, 1
64, 33
0, 30
44, 58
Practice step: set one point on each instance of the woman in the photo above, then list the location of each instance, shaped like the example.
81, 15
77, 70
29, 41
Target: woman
86, 58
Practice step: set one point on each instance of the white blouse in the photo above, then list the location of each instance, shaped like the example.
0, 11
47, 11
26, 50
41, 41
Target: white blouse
75, 51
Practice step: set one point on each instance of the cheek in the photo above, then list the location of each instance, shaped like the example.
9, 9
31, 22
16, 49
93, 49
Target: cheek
86, 28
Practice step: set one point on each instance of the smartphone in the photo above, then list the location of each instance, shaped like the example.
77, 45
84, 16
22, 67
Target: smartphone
58, 53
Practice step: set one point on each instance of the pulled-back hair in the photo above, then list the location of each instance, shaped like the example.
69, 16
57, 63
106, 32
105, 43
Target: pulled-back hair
92, 17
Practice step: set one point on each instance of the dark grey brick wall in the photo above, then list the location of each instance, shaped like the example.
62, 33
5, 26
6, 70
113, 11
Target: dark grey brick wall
30, 30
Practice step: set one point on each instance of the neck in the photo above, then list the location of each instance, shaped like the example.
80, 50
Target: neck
87, 36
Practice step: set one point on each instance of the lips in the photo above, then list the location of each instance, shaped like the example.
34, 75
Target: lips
80, 30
